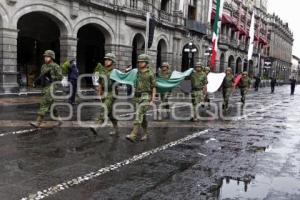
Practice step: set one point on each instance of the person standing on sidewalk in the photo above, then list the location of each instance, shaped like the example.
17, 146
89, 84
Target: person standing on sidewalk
293, 85
257, 82
71, 73
50, 72
273, 84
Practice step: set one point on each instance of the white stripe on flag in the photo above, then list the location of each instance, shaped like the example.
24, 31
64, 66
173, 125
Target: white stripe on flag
252, 34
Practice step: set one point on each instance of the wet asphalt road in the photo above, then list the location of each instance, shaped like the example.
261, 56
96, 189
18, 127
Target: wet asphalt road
256, 156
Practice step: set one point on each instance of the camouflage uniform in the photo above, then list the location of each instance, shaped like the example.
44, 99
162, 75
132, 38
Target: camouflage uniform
164, 95
244, 86
55, 73
227, 89
49, 73
144, 85
199, 81
109, 98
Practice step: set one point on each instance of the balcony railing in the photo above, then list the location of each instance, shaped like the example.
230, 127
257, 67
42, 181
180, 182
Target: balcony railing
198, 27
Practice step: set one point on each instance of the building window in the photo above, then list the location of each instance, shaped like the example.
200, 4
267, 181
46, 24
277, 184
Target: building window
133, 3
164, 5
192, 10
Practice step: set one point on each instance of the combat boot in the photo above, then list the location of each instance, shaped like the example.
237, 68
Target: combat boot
115, 132
56, 115
133, 134
145, 134
38, 122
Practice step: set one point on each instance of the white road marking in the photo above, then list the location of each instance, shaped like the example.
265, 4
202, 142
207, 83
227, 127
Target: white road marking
81, 179
18, 132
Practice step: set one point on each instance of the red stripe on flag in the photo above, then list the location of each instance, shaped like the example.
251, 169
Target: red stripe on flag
213, 56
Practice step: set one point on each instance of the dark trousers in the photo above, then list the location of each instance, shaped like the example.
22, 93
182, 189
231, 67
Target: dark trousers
74, 91
272, 88
293, 89
256, 86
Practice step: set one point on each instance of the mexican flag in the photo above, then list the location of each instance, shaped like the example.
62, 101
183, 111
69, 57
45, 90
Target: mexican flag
216, 30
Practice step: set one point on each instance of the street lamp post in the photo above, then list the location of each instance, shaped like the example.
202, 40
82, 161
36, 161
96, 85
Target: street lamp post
190, 50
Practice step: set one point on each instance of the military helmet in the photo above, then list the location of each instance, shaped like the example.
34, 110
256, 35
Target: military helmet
245, 73
165, 64
228, 69
207, 69
144, 58
49, 53
110, 56
199, 64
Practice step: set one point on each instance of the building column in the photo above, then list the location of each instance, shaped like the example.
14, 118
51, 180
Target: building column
8, 60
123, 54
68, 48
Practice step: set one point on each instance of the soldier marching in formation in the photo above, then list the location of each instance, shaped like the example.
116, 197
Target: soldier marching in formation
244, 85
145, 92
227, 87
199, 89
50, 73
165, 73
109, 99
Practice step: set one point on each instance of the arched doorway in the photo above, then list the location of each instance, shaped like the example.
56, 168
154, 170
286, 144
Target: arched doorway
90, 48
231, 62
161, 54
238, 68
251, 68
189, 56
222, 63
37, 33
138, 47
245, 65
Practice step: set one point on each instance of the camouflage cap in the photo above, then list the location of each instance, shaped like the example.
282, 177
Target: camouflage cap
165, 64
49, 53
144, 58
110, 56
199, 64
207, 68
228, 69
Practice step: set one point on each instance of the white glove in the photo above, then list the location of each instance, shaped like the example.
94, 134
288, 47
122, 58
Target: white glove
95, 79
65, 81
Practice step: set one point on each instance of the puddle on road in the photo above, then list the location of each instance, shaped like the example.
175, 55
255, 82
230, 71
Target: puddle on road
258, 189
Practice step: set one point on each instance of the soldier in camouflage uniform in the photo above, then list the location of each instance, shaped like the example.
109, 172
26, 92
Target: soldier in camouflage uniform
199, 88
145, 91
244, 85
227, 87
165, 73
50, 72
109, 99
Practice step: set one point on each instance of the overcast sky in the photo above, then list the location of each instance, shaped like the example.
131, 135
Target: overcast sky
288, 11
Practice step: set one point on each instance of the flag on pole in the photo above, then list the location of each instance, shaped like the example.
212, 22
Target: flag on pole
150, 28
215, 36
252, 34
210, 4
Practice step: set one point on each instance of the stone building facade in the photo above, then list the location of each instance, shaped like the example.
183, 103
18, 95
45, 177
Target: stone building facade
87, 29
280, 49
234, 37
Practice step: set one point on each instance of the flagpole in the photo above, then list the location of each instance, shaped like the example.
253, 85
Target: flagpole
147, 32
